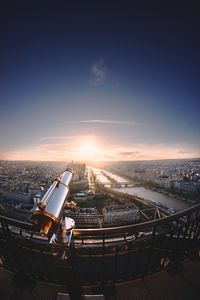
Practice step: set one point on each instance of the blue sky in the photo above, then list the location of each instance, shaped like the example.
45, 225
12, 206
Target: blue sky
99, 81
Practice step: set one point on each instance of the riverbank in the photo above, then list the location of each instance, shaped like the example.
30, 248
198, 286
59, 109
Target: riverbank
155, 197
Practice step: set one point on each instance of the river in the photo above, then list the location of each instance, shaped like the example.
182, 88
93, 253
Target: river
142, 192
156, 197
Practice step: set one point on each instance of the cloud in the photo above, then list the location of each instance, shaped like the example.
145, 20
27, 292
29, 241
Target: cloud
129, 153
99, 72
44, 138
184, 151
69, 137
114, 122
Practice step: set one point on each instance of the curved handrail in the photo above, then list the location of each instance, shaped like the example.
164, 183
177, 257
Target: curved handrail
108, 230
136, 227
14, 222
102, 254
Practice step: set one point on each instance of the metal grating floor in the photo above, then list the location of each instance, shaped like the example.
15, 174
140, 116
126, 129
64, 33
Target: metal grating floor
182, 282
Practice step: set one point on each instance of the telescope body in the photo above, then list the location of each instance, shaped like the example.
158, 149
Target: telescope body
50, 209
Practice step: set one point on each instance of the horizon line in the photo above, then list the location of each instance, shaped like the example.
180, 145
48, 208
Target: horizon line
97, 161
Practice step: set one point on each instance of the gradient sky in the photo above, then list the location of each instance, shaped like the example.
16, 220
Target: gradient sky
99, 80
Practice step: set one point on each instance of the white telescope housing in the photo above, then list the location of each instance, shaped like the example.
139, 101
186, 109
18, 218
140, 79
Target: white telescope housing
50, 209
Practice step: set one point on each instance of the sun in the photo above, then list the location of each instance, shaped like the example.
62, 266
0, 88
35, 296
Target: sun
88, 151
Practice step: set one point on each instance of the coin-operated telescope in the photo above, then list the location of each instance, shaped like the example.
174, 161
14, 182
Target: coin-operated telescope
49, 213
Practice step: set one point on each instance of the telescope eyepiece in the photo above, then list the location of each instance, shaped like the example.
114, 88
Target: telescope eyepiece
41, 204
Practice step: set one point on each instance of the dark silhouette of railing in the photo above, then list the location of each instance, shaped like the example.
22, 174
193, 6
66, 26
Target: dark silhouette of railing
102, 255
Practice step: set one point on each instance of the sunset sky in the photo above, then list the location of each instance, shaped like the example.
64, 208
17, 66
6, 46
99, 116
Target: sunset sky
99, 80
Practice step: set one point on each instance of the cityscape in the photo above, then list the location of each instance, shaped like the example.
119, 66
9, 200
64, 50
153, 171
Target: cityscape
100, 150
117, 195
112, 196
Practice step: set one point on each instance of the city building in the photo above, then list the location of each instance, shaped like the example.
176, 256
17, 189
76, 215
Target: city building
121, 214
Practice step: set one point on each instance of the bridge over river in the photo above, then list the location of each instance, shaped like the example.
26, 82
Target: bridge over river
109, 179
118, 183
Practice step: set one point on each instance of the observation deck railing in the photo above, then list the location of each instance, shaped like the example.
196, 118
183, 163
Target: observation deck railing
102, 255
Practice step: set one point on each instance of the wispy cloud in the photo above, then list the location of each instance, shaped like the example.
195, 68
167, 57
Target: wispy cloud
68, 137
44, 138
115, 122
184, 151
99, 72
128, 153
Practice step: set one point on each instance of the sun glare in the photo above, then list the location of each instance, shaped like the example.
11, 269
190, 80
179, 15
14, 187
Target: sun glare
88, 151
